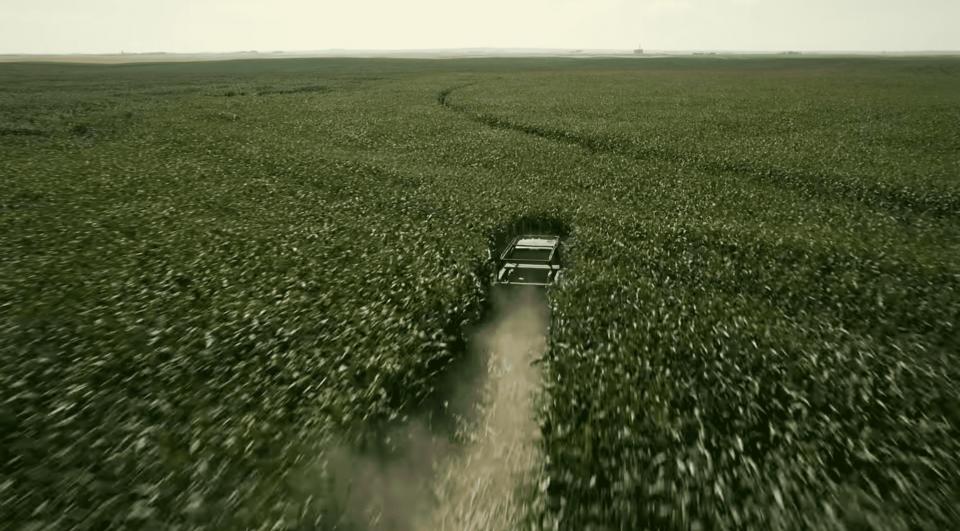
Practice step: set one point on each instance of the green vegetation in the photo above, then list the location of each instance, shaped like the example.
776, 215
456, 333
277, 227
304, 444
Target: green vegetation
213, 272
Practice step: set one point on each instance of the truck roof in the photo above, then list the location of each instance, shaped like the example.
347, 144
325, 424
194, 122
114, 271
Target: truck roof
537, 241
531, 248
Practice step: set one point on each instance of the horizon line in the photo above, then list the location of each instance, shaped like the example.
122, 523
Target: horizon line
124, 57
570, 49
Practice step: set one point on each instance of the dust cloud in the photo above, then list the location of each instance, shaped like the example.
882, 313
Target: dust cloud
473, 471
479, 488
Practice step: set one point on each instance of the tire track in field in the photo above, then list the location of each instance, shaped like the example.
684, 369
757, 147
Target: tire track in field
938, 203
481, 481
486, 486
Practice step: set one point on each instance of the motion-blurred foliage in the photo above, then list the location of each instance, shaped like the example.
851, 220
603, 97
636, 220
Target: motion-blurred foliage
212, 270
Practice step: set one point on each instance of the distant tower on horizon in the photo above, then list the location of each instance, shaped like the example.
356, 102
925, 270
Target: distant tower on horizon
638, 50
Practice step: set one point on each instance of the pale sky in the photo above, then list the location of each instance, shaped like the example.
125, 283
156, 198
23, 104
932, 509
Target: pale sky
109, 26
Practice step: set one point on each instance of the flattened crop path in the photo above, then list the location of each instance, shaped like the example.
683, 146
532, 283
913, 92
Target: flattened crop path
481, 488
880, 196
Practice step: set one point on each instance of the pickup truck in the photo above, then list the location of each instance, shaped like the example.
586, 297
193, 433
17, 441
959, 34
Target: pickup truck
531, 260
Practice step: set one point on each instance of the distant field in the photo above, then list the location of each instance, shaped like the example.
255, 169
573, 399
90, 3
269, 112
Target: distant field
160, 57
212, 271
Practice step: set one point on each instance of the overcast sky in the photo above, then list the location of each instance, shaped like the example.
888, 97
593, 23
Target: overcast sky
108, 26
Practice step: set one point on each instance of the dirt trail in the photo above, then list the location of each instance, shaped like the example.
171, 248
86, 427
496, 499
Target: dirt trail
478, 487
431, 483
